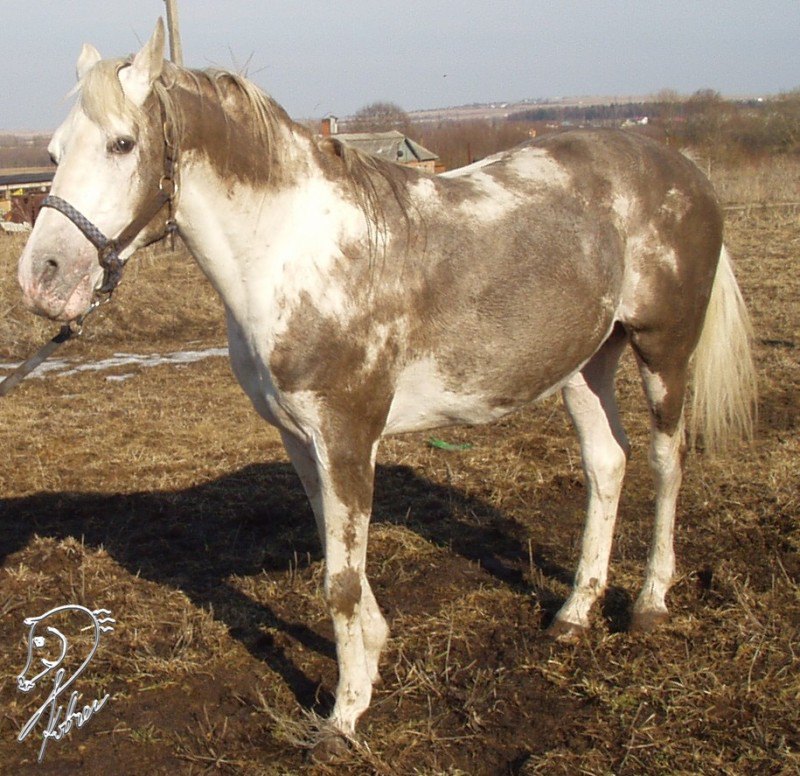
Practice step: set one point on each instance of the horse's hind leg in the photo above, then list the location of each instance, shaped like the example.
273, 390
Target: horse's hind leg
589, 397
665, 387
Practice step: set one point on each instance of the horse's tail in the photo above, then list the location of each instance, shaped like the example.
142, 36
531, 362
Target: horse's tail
725, 391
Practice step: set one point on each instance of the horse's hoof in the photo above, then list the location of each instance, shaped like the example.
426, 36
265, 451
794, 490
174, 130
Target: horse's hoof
332, 747
648, 620
566, 632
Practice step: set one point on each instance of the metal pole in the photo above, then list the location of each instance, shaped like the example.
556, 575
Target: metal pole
175, 49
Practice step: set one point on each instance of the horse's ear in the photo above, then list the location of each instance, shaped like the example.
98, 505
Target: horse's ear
137, 80
87, 59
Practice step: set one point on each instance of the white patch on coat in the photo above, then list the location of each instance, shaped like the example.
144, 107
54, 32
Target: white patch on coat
423, 192
538, 166
647, 246
423, 400
494, 199
287, 258
379, 335
676, 204
655, 385
622, 207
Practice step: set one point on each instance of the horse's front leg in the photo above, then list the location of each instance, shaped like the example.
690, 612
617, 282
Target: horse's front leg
338, 474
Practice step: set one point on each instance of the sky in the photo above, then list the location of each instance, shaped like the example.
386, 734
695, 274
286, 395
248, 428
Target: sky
319, 57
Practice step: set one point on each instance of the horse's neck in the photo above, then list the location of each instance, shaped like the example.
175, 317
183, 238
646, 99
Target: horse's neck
255, 241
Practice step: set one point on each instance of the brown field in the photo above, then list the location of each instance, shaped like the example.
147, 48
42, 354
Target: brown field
163, 498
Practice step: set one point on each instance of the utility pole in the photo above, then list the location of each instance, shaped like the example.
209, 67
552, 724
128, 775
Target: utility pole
175, 49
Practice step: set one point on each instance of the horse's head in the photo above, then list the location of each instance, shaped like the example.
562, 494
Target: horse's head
111, 153
46, 650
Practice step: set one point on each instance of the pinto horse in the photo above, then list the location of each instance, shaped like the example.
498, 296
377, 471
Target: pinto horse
364, 298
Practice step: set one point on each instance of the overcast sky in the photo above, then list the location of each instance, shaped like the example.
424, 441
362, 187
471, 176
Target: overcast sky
319, 57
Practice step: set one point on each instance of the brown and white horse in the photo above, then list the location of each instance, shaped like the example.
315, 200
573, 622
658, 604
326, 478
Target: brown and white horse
364, 298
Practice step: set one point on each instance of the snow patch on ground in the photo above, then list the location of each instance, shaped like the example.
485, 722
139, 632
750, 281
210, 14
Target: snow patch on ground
67, 367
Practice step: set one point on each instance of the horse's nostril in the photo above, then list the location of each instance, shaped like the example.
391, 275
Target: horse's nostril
49, 269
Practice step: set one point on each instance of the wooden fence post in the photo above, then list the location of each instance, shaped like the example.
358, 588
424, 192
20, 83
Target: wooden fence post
175, 49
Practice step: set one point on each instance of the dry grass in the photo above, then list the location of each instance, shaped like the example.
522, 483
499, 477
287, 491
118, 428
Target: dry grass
164, 499
760, 181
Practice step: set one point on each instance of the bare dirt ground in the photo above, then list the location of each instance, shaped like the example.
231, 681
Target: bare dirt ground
163, 498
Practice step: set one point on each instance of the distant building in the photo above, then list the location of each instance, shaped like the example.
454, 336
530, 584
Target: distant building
13, 179
22, 190
392, 145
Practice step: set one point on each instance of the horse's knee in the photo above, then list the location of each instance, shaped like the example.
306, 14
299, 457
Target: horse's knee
604, 474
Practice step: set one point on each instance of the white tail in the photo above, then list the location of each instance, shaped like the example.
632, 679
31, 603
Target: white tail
725, 391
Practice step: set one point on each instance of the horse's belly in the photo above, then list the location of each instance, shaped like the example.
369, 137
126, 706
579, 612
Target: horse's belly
423, 399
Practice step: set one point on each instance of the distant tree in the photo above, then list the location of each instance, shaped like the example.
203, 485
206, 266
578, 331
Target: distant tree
667, 96
379, 117
460, 142
702, 98
29, 151
669, 108
785, 119
706, 116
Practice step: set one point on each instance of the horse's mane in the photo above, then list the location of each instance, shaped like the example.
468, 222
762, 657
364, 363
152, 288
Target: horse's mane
101, 95
369, 178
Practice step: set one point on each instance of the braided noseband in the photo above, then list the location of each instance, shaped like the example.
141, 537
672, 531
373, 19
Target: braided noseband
107, 250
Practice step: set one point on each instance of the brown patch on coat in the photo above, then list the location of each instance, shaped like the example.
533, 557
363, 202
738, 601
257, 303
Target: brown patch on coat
344, 592
534, 302
328, 358
241, 132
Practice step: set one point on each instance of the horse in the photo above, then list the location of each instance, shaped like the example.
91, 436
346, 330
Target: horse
364, 298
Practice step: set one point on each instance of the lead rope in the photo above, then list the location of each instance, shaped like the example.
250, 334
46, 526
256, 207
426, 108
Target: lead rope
66, 333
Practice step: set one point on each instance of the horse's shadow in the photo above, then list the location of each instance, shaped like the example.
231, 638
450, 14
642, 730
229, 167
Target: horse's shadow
257, 519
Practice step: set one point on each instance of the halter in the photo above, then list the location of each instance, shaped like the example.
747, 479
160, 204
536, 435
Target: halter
108, 250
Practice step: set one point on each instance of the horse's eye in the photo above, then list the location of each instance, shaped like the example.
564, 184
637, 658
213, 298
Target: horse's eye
121, 145
53, 159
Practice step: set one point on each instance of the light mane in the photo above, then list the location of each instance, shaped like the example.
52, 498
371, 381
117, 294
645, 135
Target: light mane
367, 177
102, 98
371, 181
